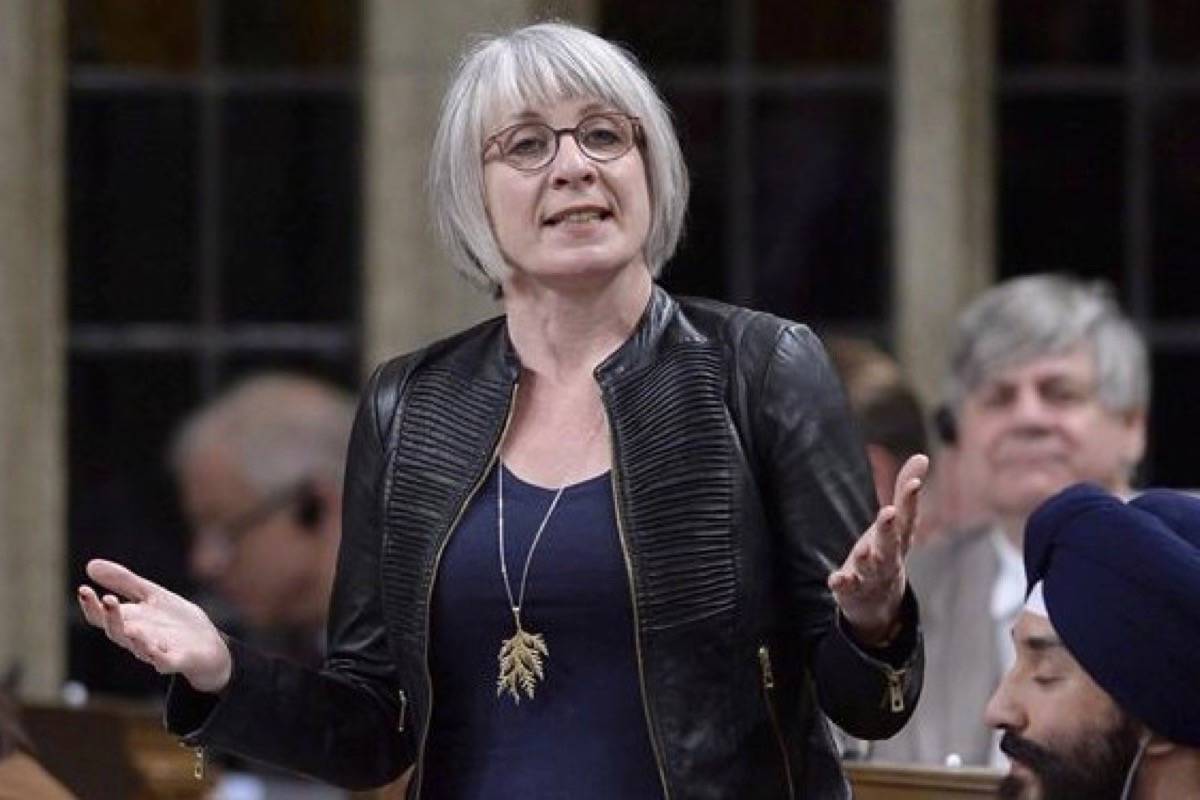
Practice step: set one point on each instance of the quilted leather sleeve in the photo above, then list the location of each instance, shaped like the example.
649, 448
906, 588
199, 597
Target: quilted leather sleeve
821, 498
341, 723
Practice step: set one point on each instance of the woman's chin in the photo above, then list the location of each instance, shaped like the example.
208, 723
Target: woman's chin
571, 273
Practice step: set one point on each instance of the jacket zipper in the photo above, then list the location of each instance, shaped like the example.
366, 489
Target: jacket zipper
894, 698
420, 772
893, 695
637, 641
768, 682
198, 766
403, 709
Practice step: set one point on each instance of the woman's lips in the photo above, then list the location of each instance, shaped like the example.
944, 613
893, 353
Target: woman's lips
578, 216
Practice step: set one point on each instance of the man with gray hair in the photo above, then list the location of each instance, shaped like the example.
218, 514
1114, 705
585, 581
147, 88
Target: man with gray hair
260, 471
1048, 385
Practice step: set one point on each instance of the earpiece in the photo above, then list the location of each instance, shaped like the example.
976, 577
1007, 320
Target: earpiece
944, 425
309, 507
1143, 743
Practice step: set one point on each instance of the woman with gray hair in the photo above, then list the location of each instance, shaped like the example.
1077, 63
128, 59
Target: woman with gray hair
606, 545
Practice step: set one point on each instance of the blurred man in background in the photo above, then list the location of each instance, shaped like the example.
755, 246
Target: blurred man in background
887, 410
1048, 385
260, 471
1103, 700
891, 420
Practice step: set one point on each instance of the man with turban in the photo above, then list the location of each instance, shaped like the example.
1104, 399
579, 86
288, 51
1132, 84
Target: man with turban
1104, 698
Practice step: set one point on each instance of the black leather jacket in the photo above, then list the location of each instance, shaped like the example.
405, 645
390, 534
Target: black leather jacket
739, 485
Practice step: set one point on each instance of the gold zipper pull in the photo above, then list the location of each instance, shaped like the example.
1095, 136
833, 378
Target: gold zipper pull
764, 661
895, 693
403, 710
198, 766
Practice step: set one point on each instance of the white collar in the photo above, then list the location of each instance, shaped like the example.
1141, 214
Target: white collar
1008, 592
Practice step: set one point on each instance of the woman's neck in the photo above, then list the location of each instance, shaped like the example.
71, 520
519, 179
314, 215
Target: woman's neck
564, 332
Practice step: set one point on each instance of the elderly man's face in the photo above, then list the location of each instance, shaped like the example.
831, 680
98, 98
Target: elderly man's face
1032, 429
1065, 735
252, 550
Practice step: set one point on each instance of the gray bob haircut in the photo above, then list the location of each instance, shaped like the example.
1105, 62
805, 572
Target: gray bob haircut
1042, 315
539, 65
279, 429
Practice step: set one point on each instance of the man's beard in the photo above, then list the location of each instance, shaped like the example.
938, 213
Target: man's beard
1095, 766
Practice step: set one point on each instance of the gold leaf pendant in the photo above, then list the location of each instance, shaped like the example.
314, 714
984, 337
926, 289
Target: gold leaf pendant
521, 664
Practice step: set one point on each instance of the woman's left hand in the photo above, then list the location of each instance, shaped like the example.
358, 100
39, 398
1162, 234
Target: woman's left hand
869, 586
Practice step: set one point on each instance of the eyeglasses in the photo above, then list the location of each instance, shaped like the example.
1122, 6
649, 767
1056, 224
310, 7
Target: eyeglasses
529, 146
225, 536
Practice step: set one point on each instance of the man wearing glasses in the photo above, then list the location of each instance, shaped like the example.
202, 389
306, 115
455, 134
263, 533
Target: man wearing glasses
259, 472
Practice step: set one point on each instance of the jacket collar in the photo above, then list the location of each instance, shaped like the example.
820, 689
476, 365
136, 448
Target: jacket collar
491, 355
645, 339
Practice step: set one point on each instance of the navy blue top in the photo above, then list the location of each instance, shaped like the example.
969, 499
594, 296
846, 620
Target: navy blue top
583, 735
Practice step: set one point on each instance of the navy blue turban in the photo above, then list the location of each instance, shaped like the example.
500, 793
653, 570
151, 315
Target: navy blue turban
1122, 587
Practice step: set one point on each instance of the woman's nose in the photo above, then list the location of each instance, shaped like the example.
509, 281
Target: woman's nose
570, 164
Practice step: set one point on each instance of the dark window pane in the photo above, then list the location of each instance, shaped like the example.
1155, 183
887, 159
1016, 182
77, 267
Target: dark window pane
131, 202
289, 33
341, 368
161, 35
1061, 187
1061, 32
1174, 424
698, 267
120, 412
826, 32
820, 205
1176, 31
1176, 207
290, 207
668, 32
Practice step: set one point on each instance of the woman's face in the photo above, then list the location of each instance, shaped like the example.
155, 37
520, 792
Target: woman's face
574, 219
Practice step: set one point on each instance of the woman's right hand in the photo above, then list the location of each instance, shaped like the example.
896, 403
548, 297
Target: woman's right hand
159, 627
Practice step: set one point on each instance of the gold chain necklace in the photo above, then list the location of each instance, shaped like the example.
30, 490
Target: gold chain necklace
523, 655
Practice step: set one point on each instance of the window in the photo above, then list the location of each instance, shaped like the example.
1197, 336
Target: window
1099, 173
783, 110
213, 229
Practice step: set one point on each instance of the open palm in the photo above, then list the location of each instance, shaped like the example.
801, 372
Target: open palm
156, 625
869, 586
